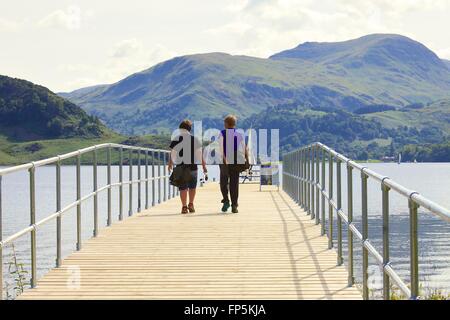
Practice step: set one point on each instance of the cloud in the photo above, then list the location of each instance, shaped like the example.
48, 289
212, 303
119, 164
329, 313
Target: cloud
443, 53
125, 57
71, 18
9, 25
262, 27
126, 48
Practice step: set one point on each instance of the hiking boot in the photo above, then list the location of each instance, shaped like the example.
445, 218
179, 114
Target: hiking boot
184, 210
234, 209
191, 208
226, 206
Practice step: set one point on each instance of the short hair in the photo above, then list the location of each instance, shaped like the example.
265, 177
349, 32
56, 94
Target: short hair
186, 124
230, 120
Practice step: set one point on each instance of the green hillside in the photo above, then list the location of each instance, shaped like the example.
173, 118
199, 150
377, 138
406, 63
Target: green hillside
447, 62
35, 124
373, 70
31, 112
436, 114
15, 153
358, 136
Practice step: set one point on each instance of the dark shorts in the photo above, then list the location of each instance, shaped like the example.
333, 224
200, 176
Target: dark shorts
192, 184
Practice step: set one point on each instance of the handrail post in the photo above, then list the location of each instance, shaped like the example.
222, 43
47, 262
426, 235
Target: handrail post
385, 207
109, 221
32, 172
79, 203
330, 206
121, 184
414, 248
365, 234
139, 179
317, 185
305, 183
95, 187
340, 259
153, 179
295, 165
308, 198
294, 168
130, 190
298, 162
286, 169
323, 195
58, 209
146, 179
351, 279
169, 186
165, 176
159, 177
302, 178
1, 239
311, 174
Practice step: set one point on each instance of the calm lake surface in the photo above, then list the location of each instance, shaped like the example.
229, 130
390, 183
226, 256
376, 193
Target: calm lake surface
431, 180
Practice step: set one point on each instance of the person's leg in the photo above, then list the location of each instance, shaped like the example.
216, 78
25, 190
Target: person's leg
234, 187
192, 191
224, 182
183, 197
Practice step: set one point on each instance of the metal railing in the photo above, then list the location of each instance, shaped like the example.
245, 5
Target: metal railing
304, 175
134, 159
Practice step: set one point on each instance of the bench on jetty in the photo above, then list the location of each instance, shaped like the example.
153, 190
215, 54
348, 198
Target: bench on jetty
280, 245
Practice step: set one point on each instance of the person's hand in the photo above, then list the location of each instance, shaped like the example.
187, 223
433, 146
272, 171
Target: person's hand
170, 167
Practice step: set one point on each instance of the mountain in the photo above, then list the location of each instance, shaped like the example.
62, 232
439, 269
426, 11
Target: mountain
447, 63
420, 116
357, 136
35, 124
204, 86
31, 112
389, 70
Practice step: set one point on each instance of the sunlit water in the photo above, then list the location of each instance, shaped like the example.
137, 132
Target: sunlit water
431, 180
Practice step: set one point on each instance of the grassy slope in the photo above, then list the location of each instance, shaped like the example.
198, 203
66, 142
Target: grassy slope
435, 114
15, 153
211, 85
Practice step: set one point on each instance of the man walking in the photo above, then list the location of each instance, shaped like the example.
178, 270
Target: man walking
235, 156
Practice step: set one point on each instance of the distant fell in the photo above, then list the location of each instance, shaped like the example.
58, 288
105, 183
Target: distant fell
381, 69
31, 112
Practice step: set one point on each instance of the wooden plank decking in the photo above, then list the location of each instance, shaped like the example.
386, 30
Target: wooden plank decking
270, 250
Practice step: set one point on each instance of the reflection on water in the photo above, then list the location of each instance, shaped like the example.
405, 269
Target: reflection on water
431, 180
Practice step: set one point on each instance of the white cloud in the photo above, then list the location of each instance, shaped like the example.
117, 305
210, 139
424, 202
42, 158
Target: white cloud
444, 53
126, 48
126, 57
10, 25
71, 18
262, 27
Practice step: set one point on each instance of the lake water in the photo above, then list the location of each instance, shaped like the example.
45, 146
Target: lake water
431, 180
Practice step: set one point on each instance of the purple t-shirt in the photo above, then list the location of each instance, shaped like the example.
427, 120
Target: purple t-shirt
238, 142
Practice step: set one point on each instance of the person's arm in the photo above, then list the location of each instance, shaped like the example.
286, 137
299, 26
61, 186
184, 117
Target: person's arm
170, 164
224, 158
247, 154
205, 170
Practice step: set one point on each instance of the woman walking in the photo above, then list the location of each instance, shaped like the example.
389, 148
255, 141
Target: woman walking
186, 151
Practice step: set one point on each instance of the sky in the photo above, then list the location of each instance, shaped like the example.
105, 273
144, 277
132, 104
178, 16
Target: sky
67, 45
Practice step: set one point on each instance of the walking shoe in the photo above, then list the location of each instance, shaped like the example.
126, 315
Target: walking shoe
234, 209
184, 210
226, 206
191, 208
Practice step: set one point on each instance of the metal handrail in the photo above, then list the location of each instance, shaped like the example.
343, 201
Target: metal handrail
31, 167
302, 170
